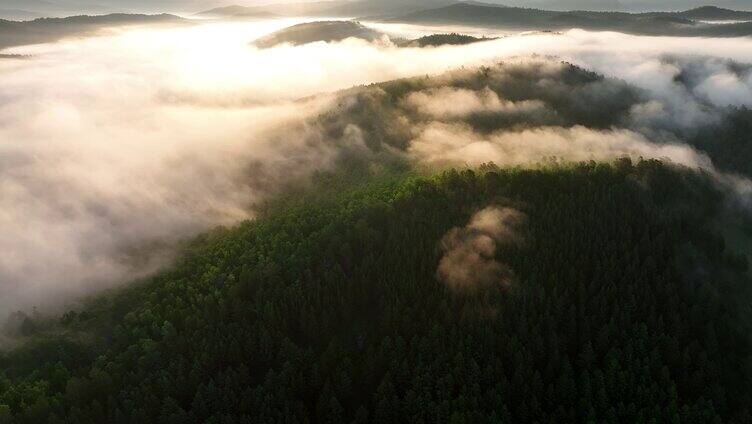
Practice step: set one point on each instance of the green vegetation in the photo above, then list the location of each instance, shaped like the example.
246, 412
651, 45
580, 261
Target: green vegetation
434, 40
327, 309
729, 142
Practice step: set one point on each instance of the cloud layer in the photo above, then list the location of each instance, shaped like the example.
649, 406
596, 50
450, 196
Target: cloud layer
460, 145
113, 148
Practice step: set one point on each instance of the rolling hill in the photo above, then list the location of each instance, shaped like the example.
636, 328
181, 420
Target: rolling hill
712, 13
534, 19
329, 31
311, 32
364, 8
237, 12
435, 40
283, 9
45, 30
564, 5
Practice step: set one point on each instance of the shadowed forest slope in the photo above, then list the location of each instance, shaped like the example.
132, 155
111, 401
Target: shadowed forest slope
622, 306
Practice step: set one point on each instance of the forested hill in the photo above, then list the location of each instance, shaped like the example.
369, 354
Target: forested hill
712, 13
332, 31
329, 8
435, 40
310, 32
514, 18
620, 304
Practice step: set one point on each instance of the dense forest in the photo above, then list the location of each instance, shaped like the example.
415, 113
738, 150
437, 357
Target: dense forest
729, 142
435, 40
627, 304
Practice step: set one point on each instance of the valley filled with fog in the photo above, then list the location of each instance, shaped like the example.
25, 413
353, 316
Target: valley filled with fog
119, 145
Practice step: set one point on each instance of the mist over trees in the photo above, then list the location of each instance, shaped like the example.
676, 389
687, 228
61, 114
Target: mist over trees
499, 105
612, 290
470, 233
327, 308
326, 31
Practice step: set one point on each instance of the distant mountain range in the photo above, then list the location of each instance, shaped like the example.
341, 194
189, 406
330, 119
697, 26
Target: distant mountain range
703, 21
283, 9
675, 5
238, 12
18, 15
29, 9
712, 13
545, 12
44, 30
352, 8
595, 5
626, 5
687, 23
393, 8
335, 8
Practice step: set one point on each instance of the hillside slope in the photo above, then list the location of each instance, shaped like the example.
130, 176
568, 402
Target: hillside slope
328, 309
335, 8
311, 32
237, 12
45, 30
712, 13
435, 40
514, 18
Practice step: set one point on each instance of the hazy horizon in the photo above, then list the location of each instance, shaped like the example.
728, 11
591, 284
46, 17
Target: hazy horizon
71, 7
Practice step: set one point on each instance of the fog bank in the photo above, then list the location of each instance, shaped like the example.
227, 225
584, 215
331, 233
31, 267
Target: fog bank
113, 148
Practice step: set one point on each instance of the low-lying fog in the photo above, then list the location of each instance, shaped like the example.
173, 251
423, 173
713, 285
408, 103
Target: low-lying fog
121, 144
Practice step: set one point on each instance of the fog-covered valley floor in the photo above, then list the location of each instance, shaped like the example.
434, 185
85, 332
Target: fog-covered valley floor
116, 146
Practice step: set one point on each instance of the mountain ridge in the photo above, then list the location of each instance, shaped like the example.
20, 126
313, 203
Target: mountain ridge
44, 30
655, 23
310, 32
